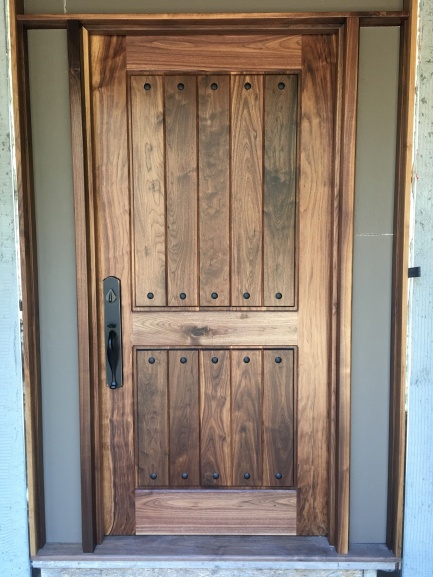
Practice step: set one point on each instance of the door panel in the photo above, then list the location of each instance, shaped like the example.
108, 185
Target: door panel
181, 177
246, 418
220, 214
214, 204
152, 428
216, 53
215, 418
149, 199
247, 200
184, 419
278, 413
279, 189
216, 512
214, 189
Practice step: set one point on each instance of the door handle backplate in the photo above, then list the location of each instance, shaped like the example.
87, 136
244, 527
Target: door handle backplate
113, 332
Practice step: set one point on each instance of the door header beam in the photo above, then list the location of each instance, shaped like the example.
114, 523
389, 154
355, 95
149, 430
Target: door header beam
314, 22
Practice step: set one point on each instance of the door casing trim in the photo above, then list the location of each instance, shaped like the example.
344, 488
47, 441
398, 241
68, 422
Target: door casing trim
347, 24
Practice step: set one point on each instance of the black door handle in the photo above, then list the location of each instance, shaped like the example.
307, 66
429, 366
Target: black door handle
112, 356
113, 332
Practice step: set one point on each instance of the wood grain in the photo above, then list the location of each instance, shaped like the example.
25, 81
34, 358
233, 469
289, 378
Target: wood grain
298, 551
347, 205
152, 418
334, 363
148, 189
92, 271
256, 23
215, 512
184, 419
84, 250
227, 53
215, 422
247, 201
214, 189
215, 329
315, 261
181, 167
247, 417
29, 279
397, 426
280, 183
112, 209
278, 418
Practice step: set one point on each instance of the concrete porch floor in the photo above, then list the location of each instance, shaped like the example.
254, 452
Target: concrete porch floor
210, 556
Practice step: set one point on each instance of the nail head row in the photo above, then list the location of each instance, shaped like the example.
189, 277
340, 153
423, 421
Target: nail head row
184, 360
214, 86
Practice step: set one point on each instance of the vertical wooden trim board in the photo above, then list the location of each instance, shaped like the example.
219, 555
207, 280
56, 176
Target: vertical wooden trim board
92, 533
29, 279
333, 354
344, 342
397, 430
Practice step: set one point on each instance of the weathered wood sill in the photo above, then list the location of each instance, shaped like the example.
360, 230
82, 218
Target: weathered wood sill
214, 552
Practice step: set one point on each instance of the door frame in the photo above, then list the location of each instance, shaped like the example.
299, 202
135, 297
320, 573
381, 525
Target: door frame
338, 424
346, 27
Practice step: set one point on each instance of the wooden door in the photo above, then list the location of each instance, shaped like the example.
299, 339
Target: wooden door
212, 169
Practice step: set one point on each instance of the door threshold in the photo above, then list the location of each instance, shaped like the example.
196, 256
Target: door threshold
216, 552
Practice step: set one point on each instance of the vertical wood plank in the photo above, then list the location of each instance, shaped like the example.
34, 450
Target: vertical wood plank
87, 343
148, 189
215, 430
92, 272
332, 493
214, 189
280, 182
184, 418
181, 167
152, 417
397, 425
29, 278
278, 425
347, 205
247, 197
112, 207
247, 417
315, 262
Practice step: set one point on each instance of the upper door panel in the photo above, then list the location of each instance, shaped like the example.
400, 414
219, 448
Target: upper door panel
213, 161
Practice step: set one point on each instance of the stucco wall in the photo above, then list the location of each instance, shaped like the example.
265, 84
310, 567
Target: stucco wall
418, 528
14, 560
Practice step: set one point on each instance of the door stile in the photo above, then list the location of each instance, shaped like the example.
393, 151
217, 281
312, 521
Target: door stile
315, 253
112, 201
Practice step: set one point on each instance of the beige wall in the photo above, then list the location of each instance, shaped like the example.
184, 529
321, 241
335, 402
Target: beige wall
372, 266
56, 263
374, 201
